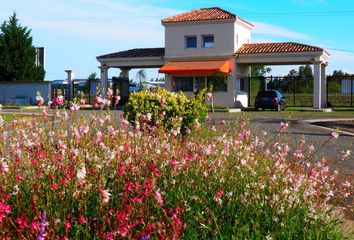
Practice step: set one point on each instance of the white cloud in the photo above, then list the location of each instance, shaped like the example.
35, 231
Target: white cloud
267, 29
340, 60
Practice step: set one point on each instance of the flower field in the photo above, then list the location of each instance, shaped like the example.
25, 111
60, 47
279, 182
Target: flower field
72, 177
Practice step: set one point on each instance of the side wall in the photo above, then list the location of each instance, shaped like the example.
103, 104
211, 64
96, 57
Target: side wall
24, 92
223, 39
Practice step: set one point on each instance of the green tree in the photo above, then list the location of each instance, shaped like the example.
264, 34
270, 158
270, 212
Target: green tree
92, 77
259, 70
17, 54
340, 73
305, 71
141, 75
293, 73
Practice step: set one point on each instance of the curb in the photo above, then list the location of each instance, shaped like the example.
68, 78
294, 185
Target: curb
312, 121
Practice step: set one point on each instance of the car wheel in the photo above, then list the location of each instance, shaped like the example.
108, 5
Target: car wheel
263, 109
256, 108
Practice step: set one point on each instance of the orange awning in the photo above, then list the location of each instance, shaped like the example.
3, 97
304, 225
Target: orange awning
196, 68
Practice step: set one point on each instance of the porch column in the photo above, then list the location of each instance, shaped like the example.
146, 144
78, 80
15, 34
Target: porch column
317, 85
104, 79
70, 78
124, 72
324, 86
124, 84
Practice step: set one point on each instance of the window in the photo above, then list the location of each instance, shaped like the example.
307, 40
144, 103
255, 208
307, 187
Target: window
208, 41
191, 41
218, 82
182, 84
199, 83
240, 84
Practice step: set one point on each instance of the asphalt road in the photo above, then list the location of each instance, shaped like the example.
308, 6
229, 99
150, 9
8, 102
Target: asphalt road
313, 135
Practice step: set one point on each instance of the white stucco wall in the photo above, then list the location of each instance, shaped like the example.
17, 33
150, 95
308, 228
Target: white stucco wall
242, 35
175, 39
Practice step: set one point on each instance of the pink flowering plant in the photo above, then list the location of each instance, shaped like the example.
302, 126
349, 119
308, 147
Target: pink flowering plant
100, 178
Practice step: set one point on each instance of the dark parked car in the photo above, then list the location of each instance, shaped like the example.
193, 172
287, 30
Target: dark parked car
270, 99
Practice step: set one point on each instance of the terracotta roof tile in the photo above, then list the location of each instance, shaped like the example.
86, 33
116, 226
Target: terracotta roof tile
137, 52
276, 48
214, 13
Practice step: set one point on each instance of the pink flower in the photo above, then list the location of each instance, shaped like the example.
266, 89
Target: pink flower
109, 93
59, 101
209, 96
159, 197
67, 226
54, 186
4, 209
45, 113
40, 101
116, 102
219, 193
82, 220
334, 135
105, 195
283, 126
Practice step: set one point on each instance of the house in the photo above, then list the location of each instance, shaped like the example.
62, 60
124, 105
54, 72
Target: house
211, 46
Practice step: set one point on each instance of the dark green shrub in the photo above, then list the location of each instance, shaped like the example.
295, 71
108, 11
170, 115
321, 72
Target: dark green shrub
171, 110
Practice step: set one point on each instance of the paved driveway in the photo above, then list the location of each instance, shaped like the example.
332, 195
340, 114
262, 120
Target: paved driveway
270, 122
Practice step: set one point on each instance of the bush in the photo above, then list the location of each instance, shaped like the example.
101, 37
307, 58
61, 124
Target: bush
174, 111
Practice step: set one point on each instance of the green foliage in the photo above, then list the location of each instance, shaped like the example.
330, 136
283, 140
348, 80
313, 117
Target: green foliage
172, 110
17, 54
90, 78
259, 70
305, 71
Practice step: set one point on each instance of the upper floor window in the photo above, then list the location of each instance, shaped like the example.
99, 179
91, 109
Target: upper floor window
208, 41
191, 41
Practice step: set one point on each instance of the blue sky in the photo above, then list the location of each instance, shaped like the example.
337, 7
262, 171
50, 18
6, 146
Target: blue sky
75, 32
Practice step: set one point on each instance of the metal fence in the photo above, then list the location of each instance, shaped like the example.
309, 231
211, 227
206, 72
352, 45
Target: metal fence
298, 91
340, 91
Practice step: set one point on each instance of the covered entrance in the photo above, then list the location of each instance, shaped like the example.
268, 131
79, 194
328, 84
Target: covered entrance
126, 61
272, 54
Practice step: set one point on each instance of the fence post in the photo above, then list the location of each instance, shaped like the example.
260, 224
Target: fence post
294, 94
351, 92
249, 91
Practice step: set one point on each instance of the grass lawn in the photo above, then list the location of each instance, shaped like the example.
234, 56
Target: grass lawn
10, 117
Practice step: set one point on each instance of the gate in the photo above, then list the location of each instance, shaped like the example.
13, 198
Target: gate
298, 91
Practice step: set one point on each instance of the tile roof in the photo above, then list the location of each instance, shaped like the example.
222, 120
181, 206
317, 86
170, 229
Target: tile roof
214, 13
136, 52
280, 47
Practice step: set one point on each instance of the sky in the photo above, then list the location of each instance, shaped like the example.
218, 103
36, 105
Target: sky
75, 32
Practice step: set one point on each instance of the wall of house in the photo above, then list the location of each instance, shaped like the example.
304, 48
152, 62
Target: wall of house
223, 39
23, 93
242, 35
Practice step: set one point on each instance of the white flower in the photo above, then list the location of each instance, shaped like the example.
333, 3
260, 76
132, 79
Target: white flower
81, 174
2, 121
105, 195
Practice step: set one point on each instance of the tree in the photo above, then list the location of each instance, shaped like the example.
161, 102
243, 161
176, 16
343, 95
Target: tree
17, 54
305, 71
259, 70
92, 77
293, 73
141, 75
340, 73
